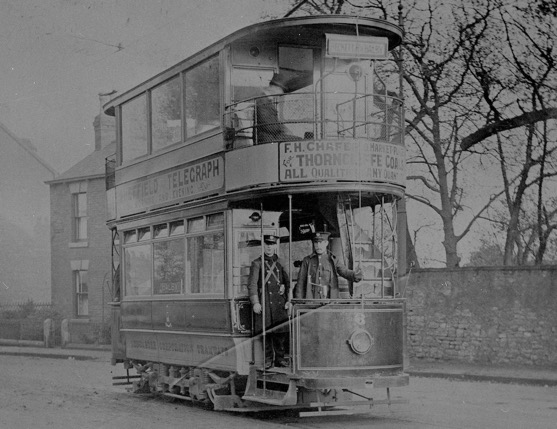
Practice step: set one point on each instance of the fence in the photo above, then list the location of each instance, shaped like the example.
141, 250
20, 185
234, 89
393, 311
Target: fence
25, 321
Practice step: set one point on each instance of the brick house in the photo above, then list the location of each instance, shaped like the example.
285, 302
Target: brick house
81, 241
24, 220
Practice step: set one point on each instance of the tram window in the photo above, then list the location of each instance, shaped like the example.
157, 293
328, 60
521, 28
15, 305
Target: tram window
168, 267
346, 107
177, 227
130, 236
202, 97
196, 225
134, 128
138, 261
160, 230
249, 83
215, 221
296, 67
166, 125
144, 233
205, 263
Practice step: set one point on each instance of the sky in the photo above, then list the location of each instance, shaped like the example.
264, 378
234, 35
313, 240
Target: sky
57, 56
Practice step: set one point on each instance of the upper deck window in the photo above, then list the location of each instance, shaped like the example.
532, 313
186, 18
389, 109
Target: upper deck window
166, 114
202, 97
134, 128
197, 90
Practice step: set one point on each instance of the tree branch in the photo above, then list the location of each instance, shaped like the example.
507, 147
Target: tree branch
507, 124
424, 181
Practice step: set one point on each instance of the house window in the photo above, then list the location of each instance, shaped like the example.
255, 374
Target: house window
81, 293
79, 216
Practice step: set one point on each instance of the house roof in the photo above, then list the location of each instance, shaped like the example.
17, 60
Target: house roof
92, 166
29, 147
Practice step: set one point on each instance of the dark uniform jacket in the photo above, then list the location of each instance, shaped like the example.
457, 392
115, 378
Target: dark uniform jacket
275, 275
324, 274
268, 124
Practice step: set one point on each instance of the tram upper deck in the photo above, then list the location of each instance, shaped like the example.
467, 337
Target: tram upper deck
291, 104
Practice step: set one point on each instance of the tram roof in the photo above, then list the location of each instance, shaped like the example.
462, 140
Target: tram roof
278, 29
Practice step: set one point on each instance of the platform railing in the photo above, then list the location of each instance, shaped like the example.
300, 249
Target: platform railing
303, 116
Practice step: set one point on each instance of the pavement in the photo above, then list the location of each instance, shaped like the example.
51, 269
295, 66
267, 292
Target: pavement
494, 373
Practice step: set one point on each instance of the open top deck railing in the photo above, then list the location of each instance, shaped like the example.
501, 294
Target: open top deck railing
303, 116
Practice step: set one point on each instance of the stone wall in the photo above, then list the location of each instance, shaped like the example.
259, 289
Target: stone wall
487, 315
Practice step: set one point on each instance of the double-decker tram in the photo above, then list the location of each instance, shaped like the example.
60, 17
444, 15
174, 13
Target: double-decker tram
284, 128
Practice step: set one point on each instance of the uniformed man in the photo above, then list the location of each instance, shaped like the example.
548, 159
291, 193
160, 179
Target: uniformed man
318, 275
277, 285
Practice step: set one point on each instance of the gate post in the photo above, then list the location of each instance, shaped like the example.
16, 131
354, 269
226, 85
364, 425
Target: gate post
47, 329
65, 332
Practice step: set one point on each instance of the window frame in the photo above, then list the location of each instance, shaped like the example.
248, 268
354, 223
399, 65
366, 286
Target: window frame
149, 245
168, 239
132, 240
184, 75
147, 96
205, 232
146, 99
79, 294
79, 221
180, 81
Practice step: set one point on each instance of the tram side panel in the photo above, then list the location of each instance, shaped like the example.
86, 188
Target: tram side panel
188, 333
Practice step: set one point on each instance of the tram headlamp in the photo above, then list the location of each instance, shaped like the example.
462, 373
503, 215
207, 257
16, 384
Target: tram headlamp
255, 216
360, 341
254, 51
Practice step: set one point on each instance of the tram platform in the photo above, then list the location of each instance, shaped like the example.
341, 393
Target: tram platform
495, 373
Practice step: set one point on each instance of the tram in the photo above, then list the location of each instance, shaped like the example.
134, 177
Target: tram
201, 174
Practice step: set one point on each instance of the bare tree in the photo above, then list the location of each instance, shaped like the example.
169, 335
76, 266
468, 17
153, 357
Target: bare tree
518, 80
469, 78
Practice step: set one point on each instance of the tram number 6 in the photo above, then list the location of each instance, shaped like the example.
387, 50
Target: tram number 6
360, 319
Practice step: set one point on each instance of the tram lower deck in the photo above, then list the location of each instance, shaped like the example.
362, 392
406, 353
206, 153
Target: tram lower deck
187, 340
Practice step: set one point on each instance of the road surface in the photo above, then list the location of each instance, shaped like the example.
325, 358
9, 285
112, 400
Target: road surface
67, 394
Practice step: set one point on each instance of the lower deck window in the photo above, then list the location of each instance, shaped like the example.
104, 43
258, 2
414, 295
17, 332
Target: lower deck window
168, 267
138, 270
206, 263
175, 260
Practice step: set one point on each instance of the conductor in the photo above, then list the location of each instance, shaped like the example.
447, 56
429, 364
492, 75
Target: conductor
277, 285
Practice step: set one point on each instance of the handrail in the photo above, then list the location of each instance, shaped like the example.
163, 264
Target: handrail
295, 116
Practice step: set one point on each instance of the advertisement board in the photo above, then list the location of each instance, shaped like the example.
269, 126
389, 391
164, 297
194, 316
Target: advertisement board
351, 160
178, 184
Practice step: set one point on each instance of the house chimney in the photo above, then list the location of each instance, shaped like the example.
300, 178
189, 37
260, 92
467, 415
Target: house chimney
105, 130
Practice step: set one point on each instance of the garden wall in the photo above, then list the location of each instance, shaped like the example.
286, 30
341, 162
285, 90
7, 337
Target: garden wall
485, 315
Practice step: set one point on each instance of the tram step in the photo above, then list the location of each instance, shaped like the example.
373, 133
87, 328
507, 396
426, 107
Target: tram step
269, 390
273, 397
